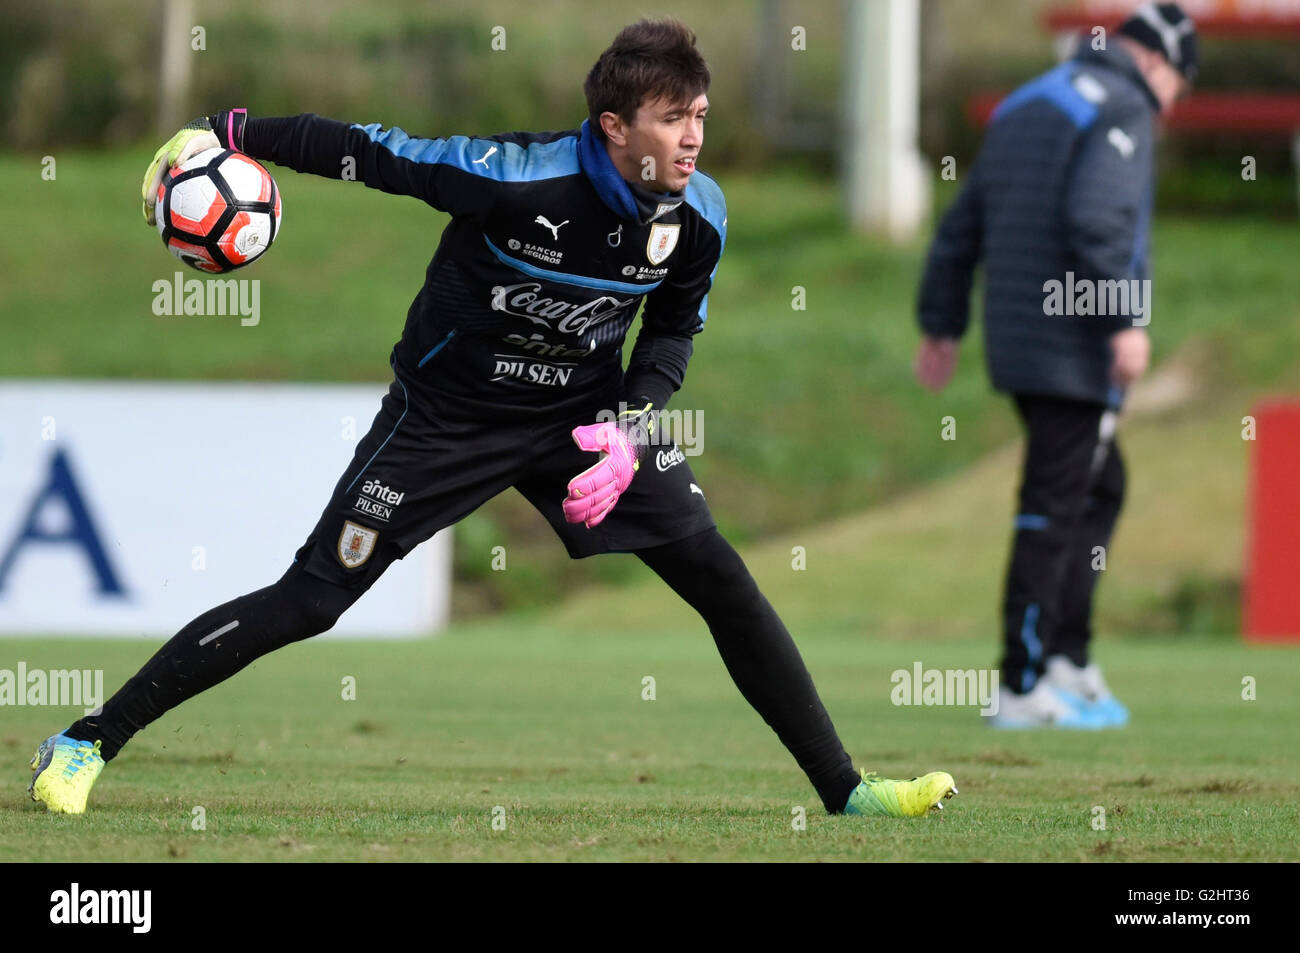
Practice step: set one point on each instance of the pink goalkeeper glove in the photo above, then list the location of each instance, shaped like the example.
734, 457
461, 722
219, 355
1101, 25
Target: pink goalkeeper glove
594, 491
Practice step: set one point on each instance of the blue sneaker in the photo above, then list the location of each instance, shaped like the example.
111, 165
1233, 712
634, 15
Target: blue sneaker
1086, 685
1042, 707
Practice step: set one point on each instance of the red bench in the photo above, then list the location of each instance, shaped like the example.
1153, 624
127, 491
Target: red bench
1226, 18
1202, 112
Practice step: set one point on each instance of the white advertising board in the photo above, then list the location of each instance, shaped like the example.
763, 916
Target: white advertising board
130, 508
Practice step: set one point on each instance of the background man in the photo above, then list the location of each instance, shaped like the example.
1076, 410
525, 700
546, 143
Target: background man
1060, 198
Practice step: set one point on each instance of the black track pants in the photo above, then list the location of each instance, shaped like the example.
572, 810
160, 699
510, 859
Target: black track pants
1071, 492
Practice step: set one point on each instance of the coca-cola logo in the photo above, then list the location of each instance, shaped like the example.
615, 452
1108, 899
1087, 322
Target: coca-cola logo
568, 317
665, 459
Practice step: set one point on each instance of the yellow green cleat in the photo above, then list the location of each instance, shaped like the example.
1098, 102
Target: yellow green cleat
64, 772
912, 798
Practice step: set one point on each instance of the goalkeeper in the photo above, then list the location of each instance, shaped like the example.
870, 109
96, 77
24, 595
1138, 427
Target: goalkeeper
509, 373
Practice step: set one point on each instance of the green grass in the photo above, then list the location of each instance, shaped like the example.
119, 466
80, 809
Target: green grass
548, 723
541, 713
815, 437
930, 564
820, 399
808, 415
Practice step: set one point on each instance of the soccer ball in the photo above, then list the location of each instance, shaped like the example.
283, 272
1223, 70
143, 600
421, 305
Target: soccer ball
218, 211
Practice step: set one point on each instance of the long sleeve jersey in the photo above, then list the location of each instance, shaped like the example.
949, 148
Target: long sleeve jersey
550, 252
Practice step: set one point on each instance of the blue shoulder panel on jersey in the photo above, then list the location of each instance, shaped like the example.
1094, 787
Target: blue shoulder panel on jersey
704, 195
542, 160
1055, 87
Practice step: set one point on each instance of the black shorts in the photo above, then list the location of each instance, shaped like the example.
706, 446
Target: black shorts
426, 463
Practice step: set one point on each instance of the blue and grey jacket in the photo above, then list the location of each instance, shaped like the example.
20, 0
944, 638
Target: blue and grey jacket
537, 278
1057, 205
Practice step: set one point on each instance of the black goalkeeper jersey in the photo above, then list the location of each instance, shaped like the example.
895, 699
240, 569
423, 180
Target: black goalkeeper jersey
538, 276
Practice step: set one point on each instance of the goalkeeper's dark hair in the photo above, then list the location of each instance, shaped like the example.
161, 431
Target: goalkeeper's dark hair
648, 61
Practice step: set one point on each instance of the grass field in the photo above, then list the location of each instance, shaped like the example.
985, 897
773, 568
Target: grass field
808, 415
779, 387
548, 724
540, 713
817, 438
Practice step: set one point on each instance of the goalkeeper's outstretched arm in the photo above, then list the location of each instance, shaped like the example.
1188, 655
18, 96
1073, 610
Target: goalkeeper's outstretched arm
450, 174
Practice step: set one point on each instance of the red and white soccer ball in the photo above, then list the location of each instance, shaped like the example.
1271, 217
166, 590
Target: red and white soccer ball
218, 211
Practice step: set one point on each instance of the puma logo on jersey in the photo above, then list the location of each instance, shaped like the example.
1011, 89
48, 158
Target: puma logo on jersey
487, 155
555, 229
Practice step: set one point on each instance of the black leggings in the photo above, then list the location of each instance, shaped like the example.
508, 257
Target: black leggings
759, 654
214, 647
703, 569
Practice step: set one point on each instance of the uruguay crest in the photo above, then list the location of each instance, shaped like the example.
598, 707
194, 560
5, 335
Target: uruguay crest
663, 239
356, 543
